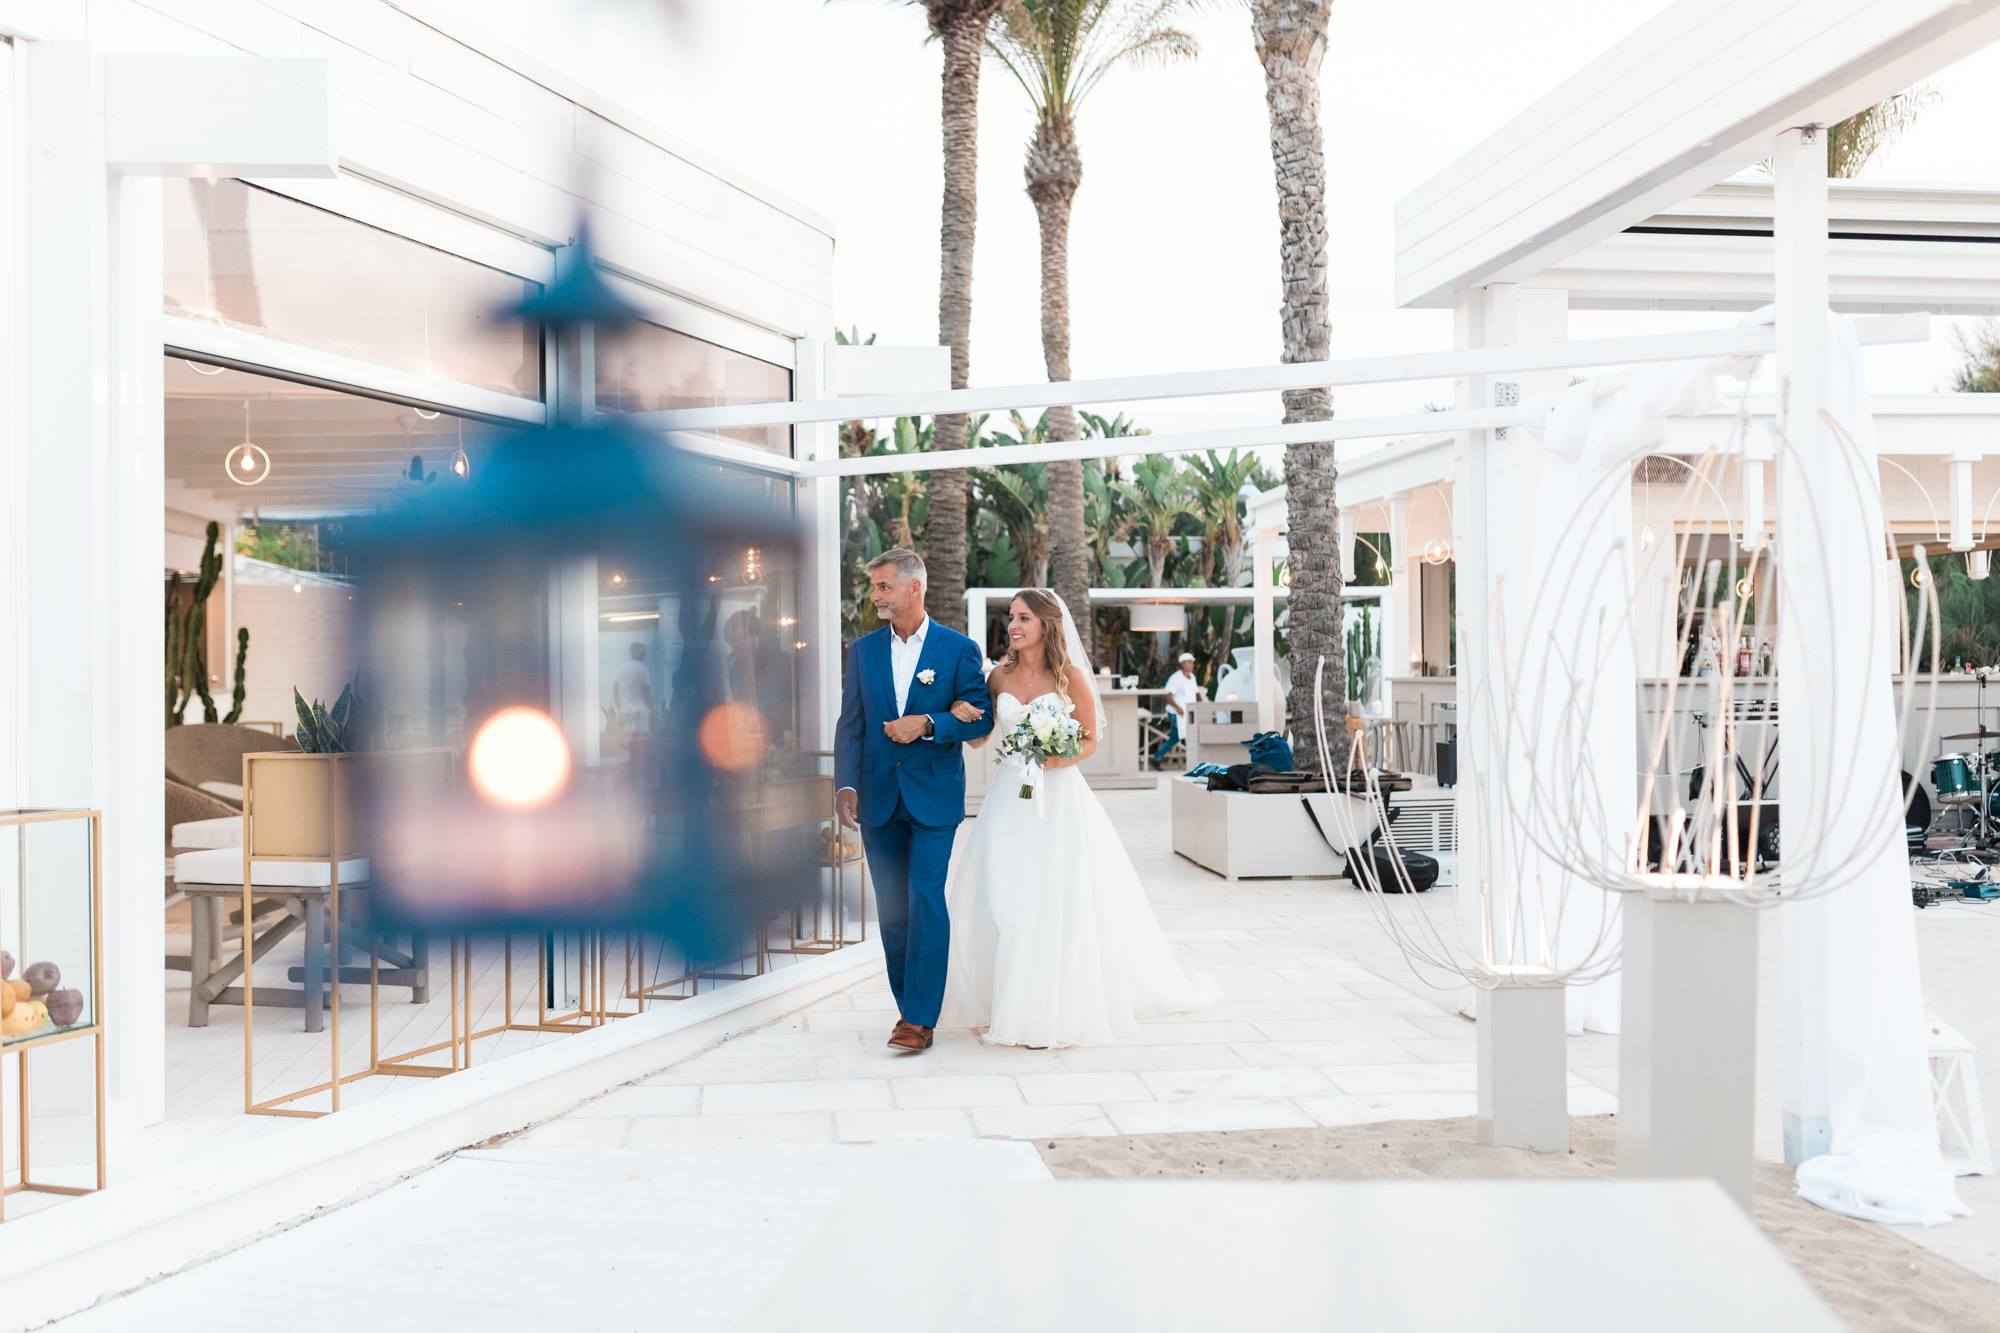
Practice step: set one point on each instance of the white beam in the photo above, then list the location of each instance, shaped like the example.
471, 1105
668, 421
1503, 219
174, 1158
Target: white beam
217, 116
255, 352
1232, 437
1738, 341
1685, 100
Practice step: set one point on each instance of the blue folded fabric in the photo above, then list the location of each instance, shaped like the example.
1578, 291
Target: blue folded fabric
1271, 750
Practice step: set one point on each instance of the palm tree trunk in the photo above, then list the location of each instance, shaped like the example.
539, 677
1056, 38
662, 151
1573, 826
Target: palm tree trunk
961, 30
1291, 43
1054, 170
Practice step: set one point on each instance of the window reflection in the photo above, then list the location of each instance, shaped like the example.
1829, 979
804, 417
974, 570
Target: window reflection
750, 633
653, 369
250, 259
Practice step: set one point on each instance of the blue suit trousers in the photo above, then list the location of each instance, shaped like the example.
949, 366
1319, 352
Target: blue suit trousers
909, 862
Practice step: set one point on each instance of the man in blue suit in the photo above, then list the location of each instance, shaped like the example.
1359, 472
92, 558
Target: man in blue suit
901, 777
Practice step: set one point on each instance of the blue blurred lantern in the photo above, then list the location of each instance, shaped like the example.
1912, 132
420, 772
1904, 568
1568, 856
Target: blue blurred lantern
483, 807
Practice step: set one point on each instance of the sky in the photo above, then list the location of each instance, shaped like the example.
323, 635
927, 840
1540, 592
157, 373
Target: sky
1173, 245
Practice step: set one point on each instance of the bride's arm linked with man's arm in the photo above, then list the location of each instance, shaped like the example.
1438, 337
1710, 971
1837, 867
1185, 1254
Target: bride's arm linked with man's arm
969, 694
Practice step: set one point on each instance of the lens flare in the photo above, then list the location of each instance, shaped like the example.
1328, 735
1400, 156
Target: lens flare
519, 759
732, 737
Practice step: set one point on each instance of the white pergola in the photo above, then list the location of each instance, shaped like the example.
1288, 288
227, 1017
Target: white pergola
1679, 108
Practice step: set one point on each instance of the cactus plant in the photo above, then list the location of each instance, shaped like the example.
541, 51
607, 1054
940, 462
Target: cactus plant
236, 695
1362, 646
187, 636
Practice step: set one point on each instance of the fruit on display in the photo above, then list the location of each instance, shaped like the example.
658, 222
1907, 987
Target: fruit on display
17, 988
41, 978
6, 964
64, 1006
27, 1016
7, 1000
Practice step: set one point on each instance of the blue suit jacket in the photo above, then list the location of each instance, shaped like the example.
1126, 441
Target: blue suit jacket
928, 774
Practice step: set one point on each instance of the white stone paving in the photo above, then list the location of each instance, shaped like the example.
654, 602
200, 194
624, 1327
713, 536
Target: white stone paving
1319, 1024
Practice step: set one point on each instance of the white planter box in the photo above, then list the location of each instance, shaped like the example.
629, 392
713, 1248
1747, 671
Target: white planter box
1241, 836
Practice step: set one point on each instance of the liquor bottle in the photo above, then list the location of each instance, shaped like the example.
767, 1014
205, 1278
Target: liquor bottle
1743, 655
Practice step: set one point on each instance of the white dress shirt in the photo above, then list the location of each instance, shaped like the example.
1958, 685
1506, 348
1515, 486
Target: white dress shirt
903, 656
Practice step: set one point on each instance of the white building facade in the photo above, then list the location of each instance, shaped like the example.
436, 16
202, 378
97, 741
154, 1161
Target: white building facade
290, 223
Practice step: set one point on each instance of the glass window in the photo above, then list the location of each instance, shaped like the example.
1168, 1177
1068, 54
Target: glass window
756, 630
250, 259
652, 369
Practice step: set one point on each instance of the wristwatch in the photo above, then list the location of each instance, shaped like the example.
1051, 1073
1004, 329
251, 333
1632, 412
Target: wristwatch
930, 727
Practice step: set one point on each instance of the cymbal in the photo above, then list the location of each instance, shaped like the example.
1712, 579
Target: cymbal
1980, 735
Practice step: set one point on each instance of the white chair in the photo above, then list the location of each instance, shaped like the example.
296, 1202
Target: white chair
1955, 1089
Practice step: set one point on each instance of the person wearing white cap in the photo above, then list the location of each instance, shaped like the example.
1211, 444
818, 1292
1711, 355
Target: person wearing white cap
1182, 691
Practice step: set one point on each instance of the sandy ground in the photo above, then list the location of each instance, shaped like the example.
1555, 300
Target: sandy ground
1872, 1277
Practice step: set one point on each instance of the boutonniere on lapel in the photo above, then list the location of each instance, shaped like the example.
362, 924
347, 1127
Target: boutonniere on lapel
927, 676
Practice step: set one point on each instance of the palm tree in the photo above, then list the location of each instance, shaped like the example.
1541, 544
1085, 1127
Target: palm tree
1160, 499
960, 27
1291, 43
1058, 51
1981, 371
1851, 142
1019, 498
1218, 500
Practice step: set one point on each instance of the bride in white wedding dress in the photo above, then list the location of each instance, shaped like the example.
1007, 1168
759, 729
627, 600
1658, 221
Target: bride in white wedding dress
1053, 942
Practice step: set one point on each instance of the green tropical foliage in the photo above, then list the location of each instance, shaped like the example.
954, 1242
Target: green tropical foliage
1981, 371
1158, 523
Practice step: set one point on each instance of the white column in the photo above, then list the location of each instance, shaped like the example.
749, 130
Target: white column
1849, 1021
1396, 617
131, 736
574, 694
819, 515
1263, 626
1495, 506
70, 627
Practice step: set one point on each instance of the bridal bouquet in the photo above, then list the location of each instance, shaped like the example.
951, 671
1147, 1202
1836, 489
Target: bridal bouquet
1048, 731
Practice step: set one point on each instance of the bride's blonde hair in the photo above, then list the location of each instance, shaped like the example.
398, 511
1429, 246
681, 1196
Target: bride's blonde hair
1055, 645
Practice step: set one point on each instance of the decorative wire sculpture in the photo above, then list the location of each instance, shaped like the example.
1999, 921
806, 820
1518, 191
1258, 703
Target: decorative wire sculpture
1548, 788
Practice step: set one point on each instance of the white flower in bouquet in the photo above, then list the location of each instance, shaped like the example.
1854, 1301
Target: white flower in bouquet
1048, 731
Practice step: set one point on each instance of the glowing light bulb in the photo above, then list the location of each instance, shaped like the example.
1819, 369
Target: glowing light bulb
519, 759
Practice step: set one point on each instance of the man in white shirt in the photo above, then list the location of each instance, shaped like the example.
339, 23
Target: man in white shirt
1182, 691
632, 693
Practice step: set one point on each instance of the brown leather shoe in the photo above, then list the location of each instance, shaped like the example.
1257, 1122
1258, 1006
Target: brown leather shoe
911, 1039
897, 1031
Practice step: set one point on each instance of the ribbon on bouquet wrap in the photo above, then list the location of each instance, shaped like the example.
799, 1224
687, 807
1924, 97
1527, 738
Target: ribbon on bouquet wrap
1032, 777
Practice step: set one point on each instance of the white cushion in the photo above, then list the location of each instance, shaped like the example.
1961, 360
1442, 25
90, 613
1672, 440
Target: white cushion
202, 833
224, 865
228, 790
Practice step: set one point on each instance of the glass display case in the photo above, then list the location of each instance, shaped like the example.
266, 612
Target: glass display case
51, 951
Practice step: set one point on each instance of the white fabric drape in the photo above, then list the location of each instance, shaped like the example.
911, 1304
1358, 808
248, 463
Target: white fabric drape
1853, 1074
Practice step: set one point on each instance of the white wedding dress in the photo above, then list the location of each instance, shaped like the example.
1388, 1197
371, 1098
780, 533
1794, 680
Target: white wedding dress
1053, 942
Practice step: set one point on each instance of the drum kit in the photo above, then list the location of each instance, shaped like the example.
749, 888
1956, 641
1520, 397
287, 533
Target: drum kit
1967, 783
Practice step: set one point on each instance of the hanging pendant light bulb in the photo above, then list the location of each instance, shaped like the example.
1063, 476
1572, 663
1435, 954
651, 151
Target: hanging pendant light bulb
247, 464
461, 462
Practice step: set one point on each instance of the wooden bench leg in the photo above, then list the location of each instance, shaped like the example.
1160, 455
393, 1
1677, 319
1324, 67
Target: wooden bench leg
313, 975
201, 957
420, 963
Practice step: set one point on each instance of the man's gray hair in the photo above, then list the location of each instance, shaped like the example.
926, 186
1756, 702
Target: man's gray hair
907, 562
